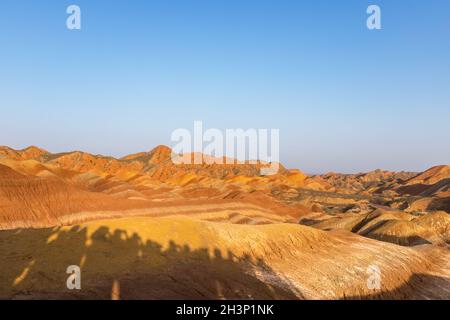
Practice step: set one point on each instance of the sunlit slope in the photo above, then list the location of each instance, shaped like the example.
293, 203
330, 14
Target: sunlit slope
391, 226
28, 201
183, 258
54, 199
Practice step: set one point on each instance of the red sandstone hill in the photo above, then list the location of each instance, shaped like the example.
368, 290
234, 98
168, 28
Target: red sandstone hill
27, 201
143, 226
100, 183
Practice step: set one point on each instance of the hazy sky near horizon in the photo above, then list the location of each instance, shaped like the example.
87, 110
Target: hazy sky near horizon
345, 98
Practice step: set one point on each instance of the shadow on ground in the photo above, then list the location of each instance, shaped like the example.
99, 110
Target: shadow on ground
117, 265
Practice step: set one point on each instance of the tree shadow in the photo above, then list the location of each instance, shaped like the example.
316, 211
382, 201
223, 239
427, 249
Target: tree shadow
118, 265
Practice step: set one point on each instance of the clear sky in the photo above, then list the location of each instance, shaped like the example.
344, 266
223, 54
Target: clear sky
344, 98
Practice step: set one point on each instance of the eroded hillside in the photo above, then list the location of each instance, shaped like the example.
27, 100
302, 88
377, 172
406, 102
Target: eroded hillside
145, 227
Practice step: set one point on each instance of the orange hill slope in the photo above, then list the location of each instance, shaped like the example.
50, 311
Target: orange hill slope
94, 183
391, 226
156, 164
54, 197
25, 154
182, 258
27, 201
432, 182
431, 176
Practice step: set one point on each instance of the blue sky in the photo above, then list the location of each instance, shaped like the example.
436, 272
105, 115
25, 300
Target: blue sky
344, 98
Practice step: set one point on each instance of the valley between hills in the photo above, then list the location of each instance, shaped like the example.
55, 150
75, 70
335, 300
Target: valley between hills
142, 227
